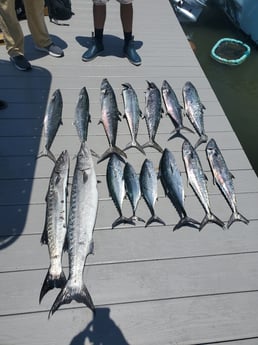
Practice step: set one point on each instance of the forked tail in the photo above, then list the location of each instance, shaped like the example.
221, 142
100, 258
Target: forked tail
51, 282
236, 217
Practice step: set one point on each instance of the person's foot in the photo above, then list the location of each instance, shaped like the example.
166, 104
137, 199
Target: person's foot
131, 54
52, 50
20, 62
3, 105
95, 49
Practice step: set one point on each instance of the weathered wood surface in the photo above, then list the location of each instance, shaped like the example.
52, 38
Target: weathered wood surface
150, 285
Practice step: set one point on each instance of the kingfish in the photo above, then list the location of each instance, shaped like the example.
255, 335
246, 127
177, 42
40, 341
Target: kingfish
172, 183
116, 187
132, 114
153, 113
110, 116
197, 179
133, 189
52, 121
54, 232
173, 109
193, 108
82, 115
224, 180
149, 190
81, 223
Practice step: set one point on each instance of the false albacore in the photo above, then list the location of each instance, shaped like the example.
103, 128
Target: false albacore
198, 181
82, 115
153, 113
116, 187
172, 183
132, 114
193, 108
224, 180
81, 222
110, 116
52, 121
173, 109
54, 233
149, 190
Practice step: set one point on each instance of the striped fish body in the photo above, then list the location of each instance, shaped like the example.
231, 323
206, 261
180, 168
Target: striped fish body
82, 115
54, 233
81, 222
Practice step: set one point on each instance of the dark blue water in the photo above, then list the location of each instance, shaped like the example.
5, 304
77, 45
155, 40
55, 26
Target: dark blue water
236, 87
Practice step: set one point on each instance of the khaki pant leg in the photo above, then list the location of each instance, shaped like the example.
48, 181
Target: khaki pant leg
36, 21
11, 28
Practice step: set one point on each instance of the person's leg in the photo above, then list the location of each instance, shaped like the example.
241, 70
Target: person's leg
99, 18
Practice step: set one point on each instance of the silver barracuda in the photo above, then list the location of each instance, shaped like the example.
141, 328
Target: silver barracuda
82, 115
173, 109
198, 181
81, 222
149, 189
116, 188
153, 113
54, 232
224, 180
52, 121
110, 116
172, 183
133, 189
193, 108
132, 114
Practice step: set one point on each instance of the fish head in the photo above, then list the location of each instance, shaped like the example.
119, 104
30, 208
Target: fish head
187, 149
211, 147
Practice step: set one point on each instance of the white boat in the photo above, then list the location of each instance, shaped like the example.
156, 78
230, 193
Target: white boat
188, 10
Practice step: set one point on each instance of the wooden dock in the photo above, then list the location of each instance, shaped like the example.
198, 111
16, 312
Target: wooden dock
150, 285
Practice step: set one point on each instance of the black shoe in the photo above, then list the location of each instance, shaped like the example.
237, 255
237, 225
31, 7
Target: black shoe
20, 62
3, 105
94, 51
130, 53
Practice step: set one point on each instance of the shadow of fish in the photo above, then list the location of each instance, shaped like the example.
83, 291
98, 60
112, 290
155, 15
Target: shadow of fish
116, 188
110, 116
132, 115
52, 121
197, 180
173, 110
149, 189
224, 180
55, 228
172, 183
82, 115
133, 189
153, 112
193, 108
81, 222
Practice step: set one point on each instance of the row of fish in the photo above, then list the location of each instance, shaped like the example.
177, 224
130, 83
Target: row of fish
75, 234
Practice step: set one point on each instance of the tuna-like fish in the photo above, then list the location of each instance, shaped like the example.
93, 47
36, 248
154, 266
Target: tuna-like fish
132, 114
172, 183
133, 189
149, 189
194, 110
54, 233
110, 116
52, 121
224, 180
82, 115
116, 188
173, 109
81, 222
197, 179
153, 113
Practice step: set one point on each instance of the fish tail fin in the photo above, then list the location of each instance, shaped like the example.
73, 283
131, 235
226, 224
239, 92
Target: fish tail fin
186, 221
51, 282
68, 294
135, 218
203, 139
110, 151
47, 153
135, 144
236, 216
211, 218
153, 219
154, 144
122, 220
188, 130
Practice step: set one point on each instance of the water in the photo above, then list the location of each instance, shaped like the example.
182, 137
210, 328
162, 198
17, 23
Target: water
236, 87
